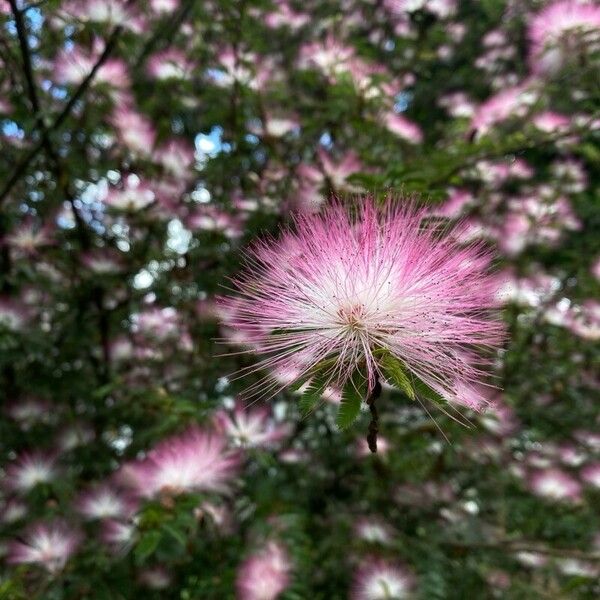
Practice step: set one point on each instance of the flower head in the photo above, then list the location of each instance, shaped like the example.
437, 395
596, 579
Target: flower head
264, 575
47, 544
195, 460
252, 427
591, 474
559, 30
31, 469
555, 484
378, 580
342, 291
105, 502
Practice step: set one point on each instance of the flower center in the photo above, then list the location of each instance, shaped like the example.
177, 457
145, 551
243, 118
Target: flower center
352, 317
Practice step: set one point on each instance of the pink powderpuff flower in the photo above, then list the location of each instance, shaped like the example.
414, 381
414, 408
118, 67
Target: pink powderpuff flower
30, 411
209, 217
560, 31
170, 64
555, 484
500, 419
585, 321
195, 460
264, 575
374, 530
533, 560
177, 157
338, 171
285, 16
458, 105
29, 236
157, 323
551, 122
332, 57
105, 502
49, 545
595, 269
133, 129
590, 439
378, 579
346, 289
13, 315
403, 128
12, 510
102, 261
118, 534
155, 578
275, 126
514, 102
73, 65
591, 474
31, 469
219, 516
74, 435
113, 12
132, 196
164, 6
250, 427
458, 201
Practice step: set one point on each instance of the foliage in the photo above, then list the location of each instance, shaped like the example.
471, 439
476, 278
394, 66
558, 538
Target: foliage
144, 146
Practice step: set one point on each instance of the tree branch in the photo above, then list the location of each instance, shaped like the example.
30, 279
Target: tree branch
374, 424
22, 167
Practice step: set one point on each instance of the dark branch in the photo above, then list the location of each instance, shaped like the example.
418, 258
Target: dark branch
374, 424
22, 167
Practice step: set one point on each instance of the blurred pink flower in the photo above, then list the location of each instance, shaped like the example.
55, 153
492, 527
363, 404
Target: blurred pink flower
170, 64
113, 12
134, 130
508, 103
285, 16
119, 534
12, 510
73, 65
177, 157
49, 545
104, 502
378, 579
131, 196
554, 484
374, 530
155, 578
30, 235
13, 315
403, 128
331, 56
265, 574
164, 6
30, 469
591, 474
30, 410
251, 426
559, 30
195, 460
102, 261
551, 122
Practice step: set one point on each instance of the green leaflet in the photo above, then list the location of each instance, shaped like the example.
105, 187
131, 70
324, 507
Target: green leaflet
312, 395
394, 371
354, 393
147, 545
